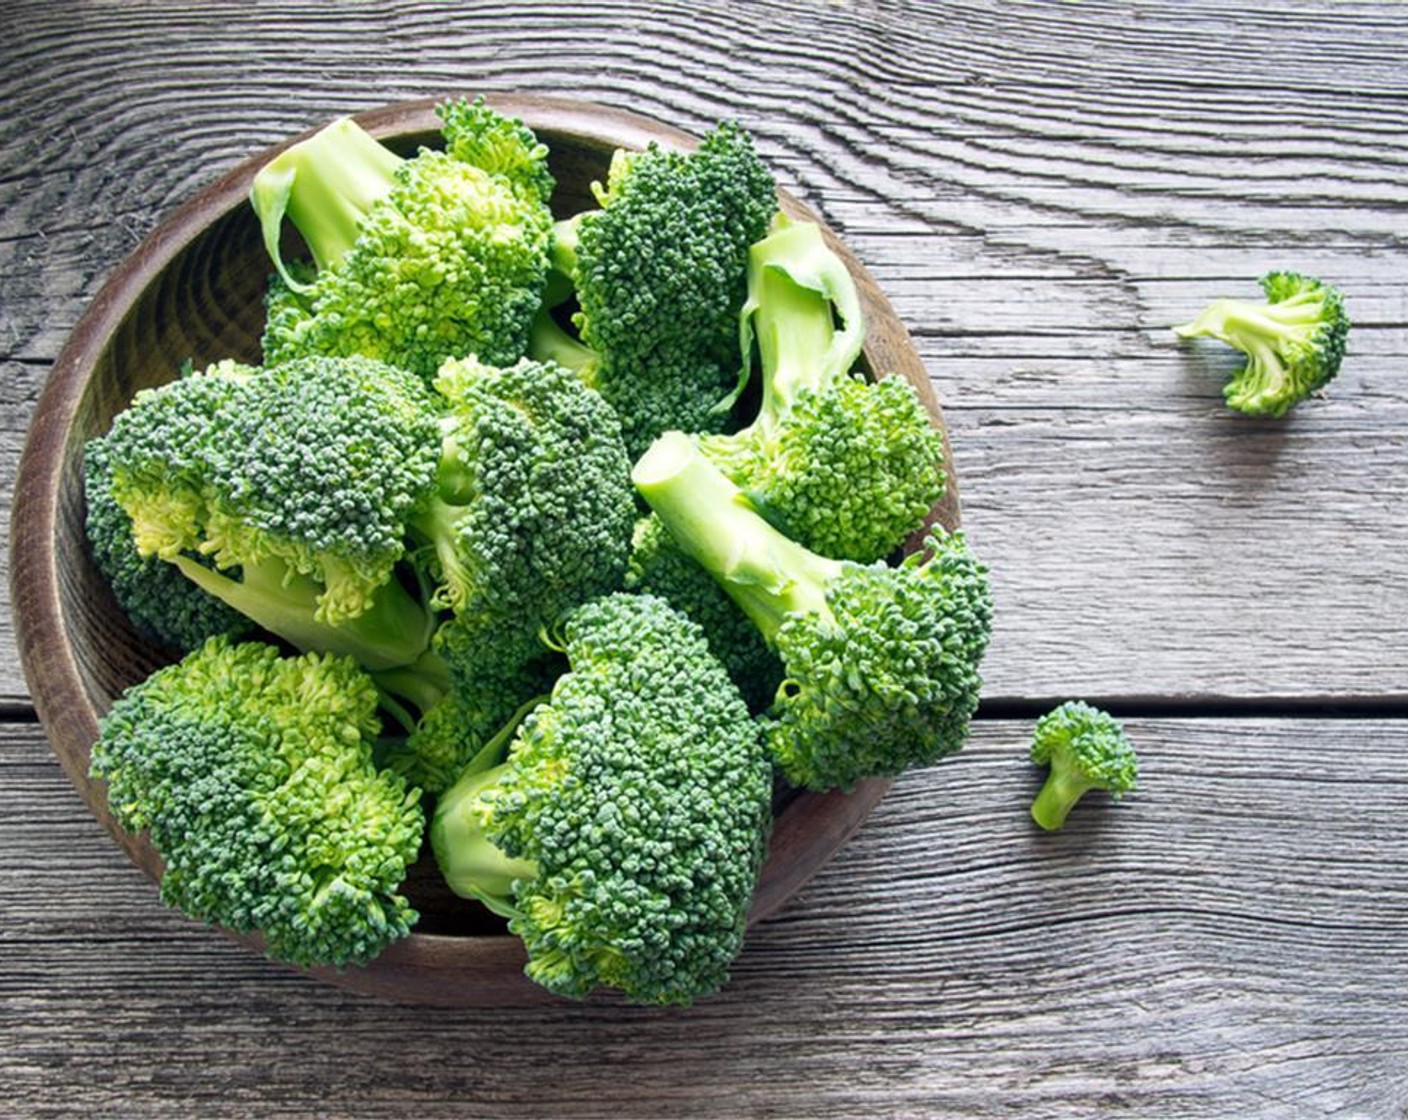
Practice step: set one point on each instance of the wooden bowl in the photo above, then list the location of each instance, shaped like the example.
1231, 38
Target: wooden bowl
193, 291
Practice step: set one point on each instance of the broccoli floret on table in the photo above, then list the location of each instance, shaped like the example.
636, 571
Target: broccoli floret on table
623, 834
1294, 341
417, 260
252, 774
844, 465
880, 664
659, 272
1086, 750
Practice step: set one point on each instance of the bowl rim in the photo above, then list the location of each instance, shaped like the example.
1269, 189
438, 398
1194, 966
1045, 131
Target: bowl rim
435, 968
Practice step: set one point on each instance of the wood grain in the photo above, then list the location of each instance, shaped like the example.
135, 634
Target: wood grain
1227, 941
1041, 190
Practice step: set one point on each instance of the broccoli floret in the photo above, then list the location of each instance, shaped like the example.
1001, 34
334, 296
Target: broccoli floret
880, 663
623, 836
158, 600
533, 509
660, 274
659, 567
1294, 342
418, 260
454, 701
296, 482
1086, 749
252, 774
846, 466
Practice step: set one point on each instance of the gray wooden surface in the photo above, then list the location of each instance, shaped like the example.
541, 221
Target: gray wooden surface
1042, 189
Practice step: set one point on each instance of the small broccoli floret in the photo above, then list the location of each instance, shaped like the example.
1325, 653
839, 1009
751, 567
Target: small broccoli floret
623, 836
252, 774
880, 663
454, 701
1086, 749
533, 509
296, 482
843, 465
157, 599
1294, 342
660, 272
418, 260
659, 567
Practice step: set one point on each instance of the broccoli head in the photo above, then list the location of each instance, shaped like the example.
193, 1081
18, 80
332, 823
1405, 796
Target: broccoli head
533, 510
846, 466
880, 663
623, 835
252, 774
1294, 341
417, 260
156, 598
660, 274
296, 481
1086, 750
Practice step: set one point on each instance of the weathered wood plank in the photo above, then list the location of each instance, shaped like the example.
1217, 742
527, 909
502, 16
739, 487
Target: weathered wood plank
1041, 189
1226, 942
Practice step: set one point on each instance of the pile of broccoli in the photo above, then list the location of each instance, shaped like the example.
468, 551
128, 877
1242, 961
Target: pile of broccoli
545, 543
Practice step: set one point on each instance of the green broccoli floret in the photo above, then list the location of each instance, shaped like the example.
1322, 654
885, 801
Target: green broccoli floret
623, 836
296, 482
1086, 749
418, 260
880, 663
533, 509
458, 698
659, 567
252, 774
846, 466
1294, 342
158, 600
659, 272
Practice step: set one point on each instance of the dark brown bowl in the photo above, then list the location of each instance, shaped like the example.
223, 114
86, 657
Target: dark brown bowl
193, 291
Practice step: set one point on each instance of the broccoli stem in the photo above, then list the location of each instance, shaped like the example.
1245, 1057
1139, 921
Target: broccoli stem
1242, 323
548, 342
394, 631
1063, 788
768, 575
796, 288
472, 864
325, 185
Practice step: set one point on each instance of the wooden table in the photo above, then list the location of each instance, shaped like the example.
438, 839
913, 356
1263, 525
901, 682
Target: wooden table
1042, 189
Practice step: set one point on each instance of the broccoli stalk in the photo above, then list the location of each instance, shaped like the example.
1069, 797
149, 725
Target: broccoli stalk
393, 631
326, 185
1294, 342
1086, 750
847, 466
880, 664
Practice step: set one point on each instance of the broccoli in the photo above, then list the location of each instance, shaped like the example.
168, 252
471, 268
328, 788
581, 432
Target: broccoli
1086, 749
296, 482
658, 567
156, 598
252, 775
459, 696
622, 836
1294, 342
533, 509
846, 466
531, 515
659, 273
417, 260
880, 663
